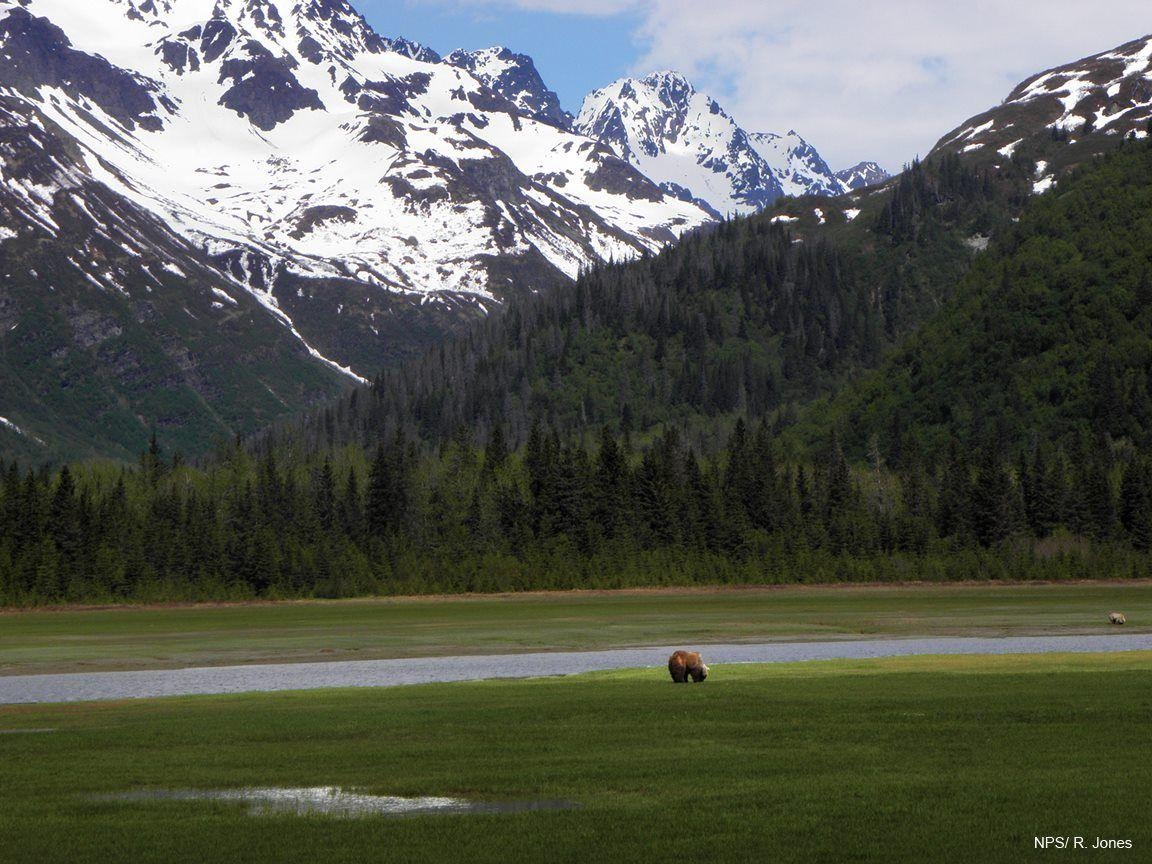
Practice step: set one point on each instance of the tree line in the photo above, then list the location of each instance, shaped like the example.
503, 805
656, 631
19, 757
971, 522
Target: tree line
556, 514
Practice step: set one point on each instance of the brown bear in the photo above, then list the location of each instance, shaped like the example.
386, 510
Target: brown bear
1117, 618
685, 665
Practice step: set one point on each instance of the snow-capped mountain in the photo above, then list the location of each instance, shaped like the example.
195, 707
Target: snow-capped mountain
1107, 94
687, 143
862, 175
514, 76
214, 212
324, 168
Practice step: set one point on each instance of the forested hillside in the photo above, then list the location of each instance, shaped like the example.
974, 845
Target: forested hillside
749, 319
1048, 343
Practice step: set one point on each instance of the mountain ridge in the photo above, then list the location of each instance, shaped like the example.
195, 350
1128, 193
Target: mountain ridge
1065, 115
1047, 342
689, 145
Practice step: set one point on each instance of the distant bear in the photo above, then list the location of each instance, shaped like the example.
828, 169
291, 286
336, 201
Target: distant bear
683, 665
1117, 618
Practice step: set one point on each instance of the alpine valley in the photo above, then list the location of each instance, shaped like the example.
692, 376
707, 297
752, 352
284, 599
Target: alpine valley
217, 212
331, 362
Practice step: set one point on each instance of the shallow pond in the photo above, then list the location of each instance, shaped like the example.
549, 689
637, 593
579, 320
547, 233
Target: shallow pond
333, 801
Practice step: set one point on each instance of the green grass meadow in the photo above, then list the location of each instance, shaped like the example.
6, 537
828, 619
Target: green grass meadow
164, 637
928, 759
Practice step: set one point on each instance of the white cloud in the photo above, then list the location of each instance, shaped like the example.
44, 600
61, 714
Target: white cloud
881, 80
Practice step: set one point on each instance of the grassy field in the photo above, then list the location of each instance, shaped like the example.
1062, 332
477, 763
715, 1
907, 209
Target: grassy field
918, 759
158, 637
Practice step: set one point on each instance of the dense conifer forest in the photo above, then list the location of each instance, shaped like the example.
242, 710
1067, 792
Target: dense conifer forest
1048, 339
555, 515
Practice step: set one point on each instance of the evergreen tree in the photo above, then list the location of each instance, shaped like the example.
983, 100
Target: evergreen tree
1099, 501
991, 507
352, 509
610, 488
380, 509
496, 451
1136, 504
325, 495
954, 506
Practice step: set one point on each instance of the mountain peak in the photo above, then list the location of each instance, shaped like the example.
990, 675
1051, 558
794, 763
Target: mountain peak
669, 83
685, 141
861, 175
515, 77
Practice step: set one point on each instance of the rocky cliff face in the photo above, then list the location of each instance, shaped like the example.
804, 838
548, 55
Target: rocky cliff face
514, 76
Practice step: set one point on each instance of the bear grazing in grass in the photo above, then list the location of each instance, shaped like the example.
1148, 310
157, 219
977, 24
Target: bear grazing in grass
685, 665
1117, 618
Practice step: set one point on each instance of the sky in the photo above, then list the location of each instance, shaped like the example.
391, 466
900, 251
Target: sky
860, 81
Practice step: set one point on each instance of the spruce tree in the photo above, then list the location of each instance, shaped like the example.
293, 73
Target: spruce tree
1136, 504
1099, 501
496, 450
991, 508
610, 490
953, 511
325, 495
379, 513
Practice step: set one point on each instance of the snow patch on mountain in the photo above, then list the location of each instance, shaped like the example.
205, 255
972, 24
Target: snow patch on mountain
8, 424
